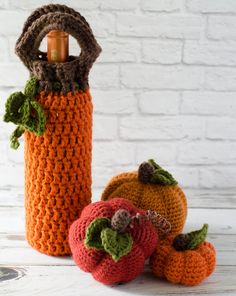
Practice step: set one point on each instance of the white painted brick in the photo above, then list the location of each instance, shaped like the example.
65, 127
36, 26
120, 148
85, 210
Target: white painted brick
4, 49
31, 4
11, 176
221, 78
119, 5
162, 51
159, 102
3, 4
104, 128
13, 75
186, 177
207, 153
209, 103
221, 128
161, 77
3, 152
173, 26
163, 153
104, 76
210, 53
113, 102
10, 27
119, 51
162, 5
102, 175
158, 128
112, 154
11, 44
16, 156
222, 27
102, 23
217, 6
222, 177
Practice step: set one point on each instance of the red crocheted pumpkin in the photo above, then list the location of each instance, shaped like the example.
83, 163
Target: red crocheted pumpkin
112, 239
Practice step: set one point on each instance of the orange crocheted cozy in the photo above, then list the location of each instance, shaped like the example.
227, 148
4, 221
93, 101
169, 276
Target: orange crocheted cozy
162, 194
55, 115
57, 170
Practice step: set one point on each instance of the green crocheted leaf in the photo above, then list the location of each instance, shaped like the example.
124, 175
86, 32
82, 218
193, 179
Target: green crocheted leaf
31, 87
195, 238
13, 106
116, 244
161, 176
93, 233
15, 136
24, 111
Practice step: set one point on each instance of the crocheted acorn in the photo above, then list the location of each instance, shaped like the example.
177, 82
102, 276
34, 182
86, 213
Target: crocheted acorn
151, 188
185, 259
111, 240
55, 114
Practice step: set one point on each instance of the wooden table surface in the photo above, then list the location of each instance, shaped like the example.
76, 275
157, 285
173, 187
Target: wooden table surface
26, 272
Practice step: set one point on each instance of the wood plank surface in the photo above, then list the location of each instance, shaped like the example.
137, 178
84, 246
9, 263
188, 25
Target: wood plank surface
70, 281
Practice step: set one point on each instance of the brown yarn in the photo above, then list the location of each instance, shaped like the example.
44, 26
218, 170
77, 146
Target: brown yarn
57, 17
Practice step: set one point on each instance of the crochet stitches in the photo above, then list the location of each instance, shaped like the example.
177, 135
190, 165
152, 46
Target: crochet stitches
185, 259
58, 153
111, 258
151, 188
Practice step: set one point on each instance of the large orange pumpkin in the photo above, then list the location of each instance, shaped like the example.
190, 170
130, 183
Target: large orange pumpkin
186, 259
151, 188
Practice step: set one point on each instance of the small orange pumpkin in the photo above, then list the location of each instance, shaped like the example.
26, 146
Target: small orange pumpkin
151, 188
186, 259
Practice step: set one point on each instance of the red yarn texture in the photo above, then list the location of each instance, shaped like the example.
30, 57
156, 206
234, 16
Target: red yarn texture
100, 263
58, 170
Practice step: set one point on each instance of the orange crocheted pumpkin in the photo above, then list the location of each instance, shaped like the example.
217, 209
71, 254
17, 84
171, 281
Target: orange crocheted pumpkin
186, 259
55, 115
151, 188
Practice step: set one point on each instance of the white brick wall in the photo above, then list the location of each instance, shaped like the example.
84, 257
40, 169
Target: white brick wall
163, 87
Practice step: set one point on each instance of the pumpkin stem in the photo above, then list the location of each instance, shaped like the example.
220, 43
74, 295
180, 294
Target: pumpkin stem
191, 240
150, 172
120, 220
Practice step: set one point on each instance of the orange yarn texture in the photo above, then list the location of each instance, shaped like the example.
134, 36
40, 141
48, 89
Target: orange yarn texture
58, 170
169, 201
188, 267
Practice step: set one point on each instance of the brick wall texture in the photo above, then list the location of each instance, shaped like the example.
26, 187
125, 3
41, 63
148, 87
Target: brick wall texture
164, 87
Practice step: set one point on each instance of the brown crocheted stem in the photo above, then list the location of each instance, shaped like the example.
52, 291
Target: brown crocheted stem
191, 240
151, 172
120, 220
76, 69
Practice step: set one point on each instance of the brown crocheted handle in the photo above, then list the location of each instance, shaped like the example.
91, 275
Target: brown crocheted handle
57, 17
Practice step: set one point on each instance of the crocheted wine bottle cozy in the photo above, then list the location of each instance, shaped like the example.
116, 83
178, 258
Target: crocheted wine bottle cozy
55, 115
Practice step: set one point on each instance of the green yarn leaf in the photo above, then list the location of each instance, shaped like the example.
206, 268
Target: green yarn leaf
13, 104
195, 238
31, 87
93, 233
116, 244
15, 136
161, 176
24, 111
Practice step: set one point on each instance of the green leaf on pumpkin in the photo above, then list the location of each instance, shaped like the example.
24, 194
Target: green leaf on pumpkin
93, 233
195, 238
116, 244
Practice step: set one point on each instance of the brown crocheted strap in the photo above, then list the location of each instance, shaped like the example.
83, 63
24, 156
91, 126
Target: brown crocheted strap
57, 17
